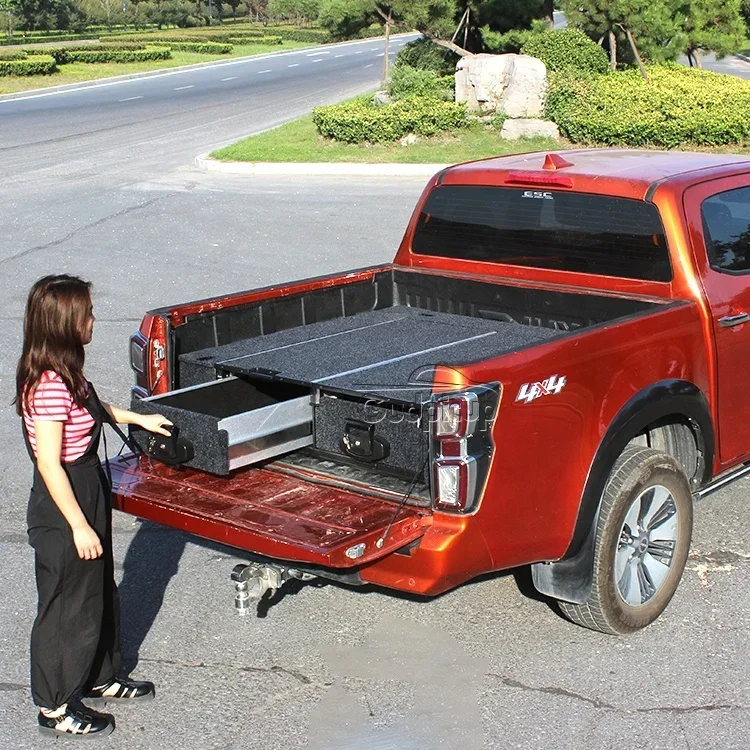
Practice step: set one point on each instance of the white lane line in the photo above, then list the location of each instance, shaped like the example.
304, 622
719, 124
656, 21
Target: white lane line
231, 78
320, 59
380, 54
370, 65
313, 54
131, 98
293, 65
361, 52
340, 55
268, 70
182, 88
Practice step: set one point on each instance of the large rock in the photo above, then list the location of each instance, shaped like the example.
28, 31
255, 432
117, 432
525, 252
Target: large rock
514, 130
514, 84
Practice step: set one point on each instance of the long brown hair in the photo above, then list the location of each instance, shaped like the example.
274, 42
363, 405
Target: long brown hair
54, 328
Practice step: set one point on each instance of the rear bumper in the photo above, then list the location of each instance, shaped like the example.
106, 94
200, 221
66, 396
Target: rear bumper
287, 519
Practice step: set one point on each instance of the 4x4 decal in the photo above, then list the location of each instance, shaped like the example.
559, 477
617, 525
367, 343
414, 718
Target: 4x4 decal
530, 391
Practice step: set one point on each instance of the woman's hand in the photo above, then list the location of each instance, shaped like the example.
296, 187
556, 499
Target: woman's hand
154, 423
87, 543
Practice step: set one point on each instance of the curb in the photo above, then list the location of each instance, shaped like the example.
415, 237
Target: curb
741, 57
207, 164
178, 69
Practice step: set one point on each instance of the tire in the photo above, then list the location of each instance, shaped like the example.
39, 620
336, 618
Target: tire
637, 569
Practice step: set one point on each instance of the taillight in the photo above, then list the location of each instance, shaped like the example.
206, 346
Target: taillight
148, 356
456, 417
455, 482
138, 345
461, 446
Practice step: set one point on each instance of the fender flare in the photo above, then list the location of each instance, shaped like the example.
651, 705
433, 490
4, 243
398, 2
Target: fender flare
570, 578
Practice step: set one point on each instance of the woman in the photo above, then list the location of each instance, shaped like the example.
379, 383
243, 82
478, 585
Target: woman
75, 639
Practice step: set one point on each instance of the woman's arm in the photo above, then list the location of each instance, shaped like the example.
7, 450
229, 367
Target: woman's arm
150, 422
49, 450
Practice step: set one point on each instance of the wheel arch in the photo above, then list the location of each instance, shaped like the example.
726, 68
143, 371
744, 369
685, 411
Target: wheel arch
651, 413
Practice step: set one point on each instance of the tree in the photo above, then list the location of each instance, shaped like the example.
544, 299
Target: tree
9, 16
301, 11
347, 18
234, 4
49, 14
715, 25
650, 22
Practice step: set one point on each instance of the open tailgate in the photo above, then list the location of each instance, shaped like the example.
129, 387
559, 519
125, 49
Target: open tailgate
265, 511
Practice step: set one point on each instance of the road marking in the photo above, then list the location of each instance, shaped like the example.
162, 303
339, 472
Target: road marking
340, 55
264, 71
231, 78
182, 88
380, 54
370, 65
293, 65
360, 52
320, 59
313, 54
131, 98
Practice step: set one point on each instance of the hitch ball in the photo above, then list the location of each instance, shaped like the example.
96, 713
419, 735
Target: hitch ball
252, 581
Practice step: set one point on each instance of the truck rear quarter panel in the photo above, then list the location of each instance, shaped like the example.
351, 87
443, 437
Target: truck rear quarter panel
545, 448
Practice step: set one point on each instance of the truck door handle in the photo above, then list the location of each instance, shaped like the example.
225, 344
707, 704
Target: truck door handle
729, 321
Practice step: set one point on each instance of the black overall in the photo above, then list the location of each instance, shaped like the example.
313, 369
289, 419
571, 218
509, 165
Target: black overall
75, 641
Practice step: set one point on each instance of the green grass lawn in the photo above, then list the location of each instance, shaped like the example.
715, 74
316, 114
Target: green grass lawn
299, 141
78, 72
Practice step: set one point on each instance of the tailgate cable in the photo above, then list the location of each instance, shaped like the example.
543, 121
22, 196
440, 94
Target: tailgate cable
381, 541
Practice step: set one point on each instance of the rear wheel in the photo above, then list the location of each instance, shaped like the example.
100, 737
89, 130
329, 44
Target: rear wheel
642, 543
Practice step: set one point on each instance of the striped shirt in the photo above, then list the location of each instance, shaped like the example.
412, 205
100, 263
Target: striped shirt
52, 402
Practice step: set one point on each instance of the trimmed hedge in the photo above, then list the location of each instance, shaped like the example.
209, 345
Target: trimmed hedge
305, 36
240, 40
202, 48
567, 49
37, 39
407, 81
10, 56
360, 121
35, 65
104, 53
677, 105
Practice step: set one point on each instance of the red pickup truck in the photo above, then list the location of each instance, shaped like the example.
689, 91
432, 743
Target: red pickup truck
549, 373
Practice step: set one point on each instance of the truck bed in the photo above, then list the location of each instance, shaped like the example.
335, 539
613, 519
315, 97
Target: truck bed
385, 353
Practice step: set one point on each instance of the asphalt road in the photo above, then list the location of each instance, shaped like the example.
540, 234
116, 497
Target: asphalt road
486, 666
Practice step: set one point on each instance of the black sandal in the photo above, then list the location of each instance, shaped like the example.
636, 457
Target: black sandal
77, 722
120, 690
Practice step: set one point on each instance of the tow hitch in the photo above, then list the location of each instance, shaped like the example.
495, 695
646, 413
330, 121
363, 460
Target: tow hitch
253, 580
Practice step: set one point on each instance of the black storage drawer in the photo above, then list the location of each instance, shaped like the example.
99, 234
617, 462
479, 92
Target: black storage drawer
234, 421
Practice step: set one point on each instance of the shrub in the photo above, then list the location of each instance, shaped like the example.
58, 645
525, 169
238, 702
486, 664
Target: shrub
202, 48
407, 81
256, 40
30, 66
510, 41
306, 36
567, 49
10, 56
676, 105
359, 121
423, 54
37, 39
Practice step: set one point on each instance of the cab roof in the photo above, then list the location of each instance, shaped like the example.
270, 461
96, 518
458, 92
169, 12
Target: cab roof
626, 172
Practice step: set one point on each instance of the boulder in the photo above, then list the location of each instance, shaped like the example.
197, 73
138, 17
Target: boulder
514, 84
515, 129
381, 98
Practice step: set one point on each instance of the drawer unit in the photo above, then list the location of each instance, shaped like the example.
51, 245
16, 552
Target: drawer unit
235, 421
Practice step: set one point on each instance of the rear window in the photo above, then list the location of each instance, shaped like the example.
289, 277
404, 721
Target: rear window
545, 229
